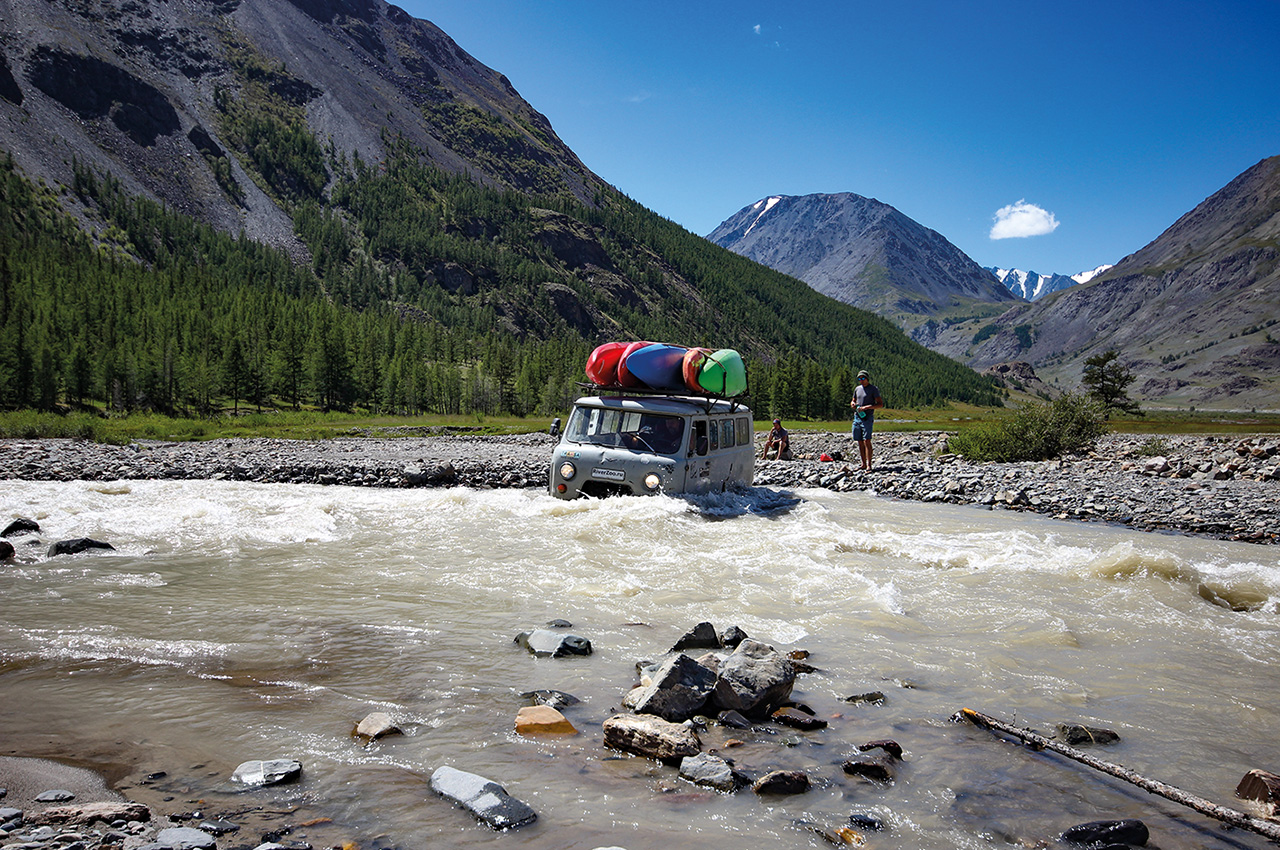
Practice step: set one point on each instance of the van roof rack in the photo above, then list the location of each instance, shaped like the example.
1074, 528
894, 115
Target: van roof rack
709, 399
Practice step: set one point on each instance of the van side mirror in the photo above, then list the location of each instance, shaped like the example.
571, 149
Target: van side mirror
554, 430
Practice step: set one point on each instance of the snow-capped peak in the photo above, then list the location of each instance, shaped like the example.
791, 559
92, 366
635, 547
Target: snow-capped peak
1033, 286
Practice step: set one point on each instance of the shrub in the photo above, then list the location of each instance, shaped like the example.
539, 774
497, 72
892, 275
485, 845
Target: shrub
1153, 447
1071, 423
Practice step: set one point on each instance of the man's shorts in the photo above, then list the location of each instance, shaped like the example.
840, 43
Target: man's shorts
862, 428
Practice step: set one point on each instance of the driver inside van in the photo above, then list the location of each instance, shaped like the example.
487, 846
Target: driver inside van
657, 434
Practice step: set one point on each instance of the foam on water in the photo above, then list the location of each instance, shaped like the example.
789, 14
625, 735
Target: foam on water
237, 620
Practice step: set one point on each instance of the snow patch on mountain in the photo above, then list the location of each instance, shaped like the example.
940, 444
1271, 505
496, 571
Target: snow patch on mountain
1085, 277
768, 205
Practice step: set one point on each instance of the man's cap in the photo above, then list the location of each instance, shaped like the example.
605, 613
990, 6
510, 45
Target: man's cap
863, 374
777, 422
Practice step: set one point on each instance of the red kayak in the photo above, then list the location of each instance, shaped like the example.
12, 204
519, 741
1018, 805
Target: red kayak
602, 365
625, 378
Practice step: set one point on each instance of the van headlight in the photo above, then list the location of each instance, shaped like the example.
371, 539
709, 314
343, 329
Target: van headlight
652, 481
567, 471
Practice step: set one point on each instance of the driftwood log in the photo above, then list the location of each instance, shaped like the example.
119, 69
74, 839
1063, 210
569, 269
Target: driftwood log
1262, 826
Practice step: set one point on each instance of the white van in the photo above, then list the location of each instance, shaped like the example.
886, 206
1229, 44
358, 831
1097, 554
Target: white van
653, 444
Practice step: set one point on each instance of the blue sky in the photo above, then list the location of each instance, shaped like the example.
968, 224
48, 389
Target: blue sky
1092, 125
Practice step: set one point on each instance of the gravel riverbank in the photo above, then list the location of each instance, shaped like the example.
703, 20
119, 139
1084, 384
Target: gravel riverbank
1223, 487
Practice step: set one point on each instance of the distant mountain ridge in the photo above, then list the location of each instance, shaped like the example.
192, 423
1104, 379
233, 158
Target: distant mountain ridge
1033, 286
1194, 313
866, 253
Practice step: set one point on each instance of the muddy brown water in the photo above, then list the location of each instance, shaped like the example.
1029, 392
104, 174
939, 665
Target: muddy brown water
236, 621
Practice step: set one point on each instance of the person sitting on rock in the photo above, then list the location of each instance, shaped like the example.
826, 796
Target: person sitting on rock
777, 439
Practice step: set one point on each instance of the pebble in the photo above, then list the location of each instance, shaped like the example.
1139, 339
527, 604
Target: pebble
1216, 486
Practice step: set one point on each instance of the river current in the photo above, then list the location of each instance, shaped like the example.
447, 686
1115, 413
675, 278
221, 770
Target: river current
238, 621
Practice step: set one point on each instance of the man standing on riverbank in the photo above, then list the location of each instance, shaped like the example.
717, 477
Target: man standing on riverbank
866, 401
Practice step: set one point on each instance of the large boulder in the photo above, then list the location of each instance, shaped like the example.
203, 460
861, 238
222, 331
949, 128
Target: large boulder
679, 690
754, 680
485, 799
651, 736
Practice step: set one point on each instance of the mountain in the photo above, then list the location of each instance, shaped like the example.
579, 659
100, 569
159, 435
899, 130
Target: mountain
165, 95
1193, 313
330, 203
865, 253
1032, 286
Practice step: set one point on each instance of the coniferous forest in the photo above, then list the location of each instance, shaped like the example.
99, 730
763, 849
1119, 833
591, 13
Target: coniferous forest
424, 292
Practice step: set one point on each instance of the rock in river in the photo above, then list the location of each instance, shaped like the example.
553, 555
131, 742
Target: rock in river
485, 799
273, 772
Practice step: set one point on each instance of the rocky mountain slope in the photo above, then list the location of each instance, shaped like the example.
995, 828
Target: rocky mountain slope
1193, 313
149, 92
865, 253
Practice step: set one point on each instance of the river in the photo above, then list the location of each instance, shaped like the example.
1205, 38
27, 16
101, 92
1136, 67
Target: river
237, 621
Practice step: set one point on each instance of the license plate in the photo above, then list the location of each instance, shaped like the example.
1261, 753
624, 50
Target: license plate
610, 474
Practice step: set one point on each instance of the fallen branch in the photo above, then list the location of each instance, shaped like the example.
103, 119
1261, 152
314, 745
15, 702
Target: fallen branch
1268, 828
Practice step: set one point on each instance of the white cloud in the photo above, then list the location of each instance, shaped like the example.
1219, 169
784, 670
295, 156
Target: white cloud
1020, 220
756, 29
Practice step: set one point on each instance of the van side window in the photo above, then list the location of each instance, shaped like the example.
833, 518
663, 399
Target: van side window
744, 431
700, 436
715, 435
726, 433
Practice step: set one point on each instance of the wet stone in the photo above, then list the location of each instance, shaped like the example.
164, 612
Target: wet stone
555, 699
272, 772
185, 838
57, 795
1076, 734
1105, 833
487, 800
782, 782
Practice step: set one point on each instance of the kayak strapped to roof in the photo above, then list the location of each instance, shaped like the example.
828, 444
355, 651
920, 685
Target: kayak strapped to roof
664, 368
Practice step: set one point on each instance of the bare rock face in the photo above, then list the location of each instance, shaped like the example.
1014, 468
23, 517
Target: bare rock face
92, 88
650, 736
9, 88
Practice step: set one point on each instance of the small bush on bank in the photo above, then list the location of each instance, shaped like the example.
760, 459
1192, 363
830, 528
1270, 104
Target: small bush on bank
1072, 423
1154, 447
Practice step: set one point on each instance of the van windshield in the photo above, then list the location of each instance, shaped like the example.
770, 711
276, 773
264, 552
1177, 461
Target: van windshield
626, 429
